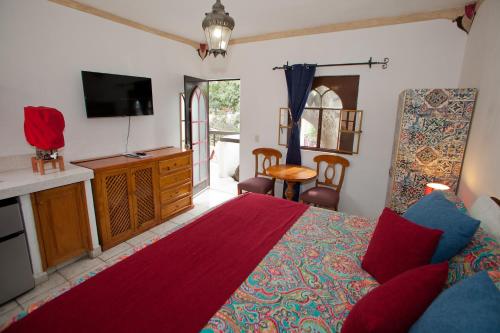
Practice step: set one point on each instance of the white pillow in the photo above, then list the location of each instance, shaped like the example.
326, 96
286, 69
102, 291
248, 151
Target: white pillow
487, 211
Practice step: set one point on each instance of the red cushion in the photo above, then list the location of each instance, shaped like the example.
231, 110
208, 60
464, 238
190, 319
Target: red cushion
257, 185
397, 304
398, 245
323, 196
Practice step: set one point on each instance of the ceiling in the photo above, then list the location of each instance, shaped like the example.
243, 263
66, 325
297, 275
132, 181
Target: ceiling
255, 17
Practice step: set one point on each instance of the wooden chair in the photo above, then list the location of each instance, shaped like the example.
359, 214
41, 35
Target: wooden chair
326, 193
262, 184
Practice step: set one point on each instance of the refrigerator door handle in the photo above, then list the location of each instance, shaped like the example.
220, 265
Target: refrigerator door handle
14, 235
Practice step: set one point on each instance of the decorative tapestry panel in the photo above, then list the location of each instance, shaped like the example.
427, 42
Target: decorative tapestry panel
431, 135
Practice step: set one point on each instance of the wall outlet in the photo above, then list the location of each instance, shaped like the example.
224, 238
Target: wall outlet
257, 138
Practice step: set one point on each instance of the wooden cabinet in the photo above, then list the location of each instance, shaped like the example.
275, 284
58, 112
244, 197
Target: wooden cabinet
113, 190
133, 195
145, 196
128, 201
62, 223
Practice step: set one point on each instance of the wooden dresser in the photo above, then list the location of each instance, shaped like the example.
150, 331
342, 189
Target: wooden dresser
132, 195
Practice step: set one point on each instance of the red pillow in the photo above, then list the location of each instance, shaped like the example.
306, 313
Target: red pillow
395, 305
398, 245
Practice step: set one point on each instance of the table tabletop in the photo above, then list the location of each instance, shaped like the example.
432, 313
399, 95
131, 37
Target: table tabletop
291, 173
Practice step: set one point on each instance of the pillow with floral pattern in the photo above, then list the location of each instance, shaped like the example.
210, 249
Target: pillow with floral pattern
482, 253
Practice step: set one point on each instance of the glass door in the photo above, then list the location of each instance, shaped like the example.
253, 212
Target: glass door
196, 129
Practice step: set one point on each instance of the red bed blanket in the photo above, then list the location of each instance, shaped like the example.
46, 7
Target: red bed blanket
179, 282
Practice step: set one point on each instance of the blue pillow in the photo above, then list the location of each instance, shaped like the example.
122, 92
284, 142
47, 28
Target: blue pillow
436, 212
472, 305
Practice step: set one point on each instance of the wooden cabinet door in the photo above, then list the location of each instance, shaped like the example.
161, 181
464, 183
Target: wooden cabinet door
145, 199
115, 206
62, 223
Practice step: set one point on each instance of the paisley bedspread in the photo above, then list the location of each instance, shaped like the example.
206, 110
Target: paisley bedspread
308, 282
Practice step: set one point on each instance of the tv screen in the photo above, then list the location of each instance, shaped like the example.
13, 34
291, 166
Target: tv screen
110, 95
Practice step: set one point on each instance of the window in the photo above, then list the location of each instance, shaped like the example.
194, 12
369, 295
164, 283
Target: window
330, 121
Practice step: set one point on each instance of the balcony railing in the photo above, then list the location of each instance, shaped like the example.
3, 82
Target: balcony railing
215, 136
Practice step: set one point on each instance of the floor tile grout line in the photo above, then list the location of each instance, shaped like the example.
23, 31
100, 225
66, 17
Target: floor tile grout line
62, 276
69, 279
44, 292
15, 307
74, 278
100, 259
47, 292
111, 261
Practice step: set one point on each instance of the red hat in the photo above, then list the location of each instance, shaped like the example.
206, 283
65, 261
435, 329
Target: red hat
43, 127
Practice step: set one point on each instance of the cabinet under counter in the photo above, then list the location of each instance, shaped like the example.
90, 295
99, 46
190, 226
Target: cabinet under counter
62, 223
22, 183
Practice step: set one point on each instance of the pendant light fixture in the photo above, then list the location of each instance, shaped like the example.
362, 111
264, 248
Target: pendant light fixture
217, 26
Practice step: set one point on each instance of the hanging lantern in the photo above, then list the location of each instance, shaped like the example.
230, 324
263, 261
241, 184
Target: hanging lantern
218, 26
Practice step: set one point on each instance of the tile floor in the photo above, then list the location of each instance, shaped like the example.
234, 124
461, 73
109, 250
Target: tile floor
224, 184
63, 278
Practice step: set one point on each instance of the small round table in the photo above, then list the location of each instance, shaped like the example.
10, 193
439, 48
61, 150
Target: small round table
292, 174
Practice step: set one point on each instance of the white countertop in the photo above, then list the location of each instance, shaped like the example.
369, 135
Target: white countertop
14, 183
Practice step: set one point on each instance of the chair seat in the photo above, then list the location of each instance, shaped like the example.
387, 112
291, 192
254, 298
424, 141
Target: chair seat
322, 196
257, 185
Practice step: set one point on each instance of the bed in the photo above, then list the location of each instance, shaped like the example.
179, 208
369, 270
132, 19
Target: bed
313, 277
308, 280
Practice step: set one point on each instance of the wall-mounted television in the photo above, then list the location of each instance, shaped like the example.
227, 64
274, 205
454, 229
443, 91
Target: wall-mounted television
111, 95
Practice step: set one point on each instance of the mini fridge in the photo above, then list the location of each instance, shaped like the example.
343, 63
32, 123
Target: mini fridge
16, 275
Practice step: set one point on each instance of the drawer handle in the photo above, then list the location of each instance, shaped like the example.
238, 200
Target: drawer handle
174, 165
174, 194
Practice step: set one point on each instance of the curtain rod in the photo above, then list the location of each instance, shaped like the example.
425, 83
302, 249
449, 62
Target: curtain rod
369, 63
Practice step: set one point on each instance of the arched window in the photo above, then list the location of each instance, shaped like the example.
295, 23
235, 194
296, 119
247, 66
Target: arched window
320, 119
323, 97
330, 121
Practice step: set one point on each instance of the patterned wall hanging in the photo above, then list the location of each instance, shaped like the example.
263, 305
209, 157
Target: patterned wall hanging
431, 135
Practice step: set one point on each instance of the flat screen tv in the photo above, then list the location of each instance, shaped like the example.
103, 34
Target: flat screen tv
111, 95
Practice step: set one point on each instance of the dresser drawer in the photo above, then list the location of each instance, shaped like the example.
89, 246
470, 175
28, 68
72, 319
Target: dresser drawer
178, 177
175, 163
174, 207
175, 193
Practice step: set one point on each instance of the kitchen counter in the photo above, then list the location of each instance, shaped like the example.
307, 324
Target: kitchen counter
22, 182
15, 183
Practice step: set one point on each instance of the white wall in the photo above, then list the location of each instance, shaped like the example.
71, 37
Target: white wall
422, 55
43, 49
481, 69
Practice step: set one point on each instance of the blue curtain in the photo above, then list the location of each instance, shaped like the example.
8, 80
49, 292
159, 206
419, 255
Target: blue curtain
299, 79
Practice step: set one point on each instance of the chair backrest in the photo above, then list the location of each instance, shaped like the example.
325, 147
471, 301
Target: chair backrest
330, 171
267, 154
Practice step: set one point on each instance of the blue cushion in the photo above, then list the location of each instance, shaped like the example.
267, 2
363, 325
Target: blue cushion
472, 305
436, 212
